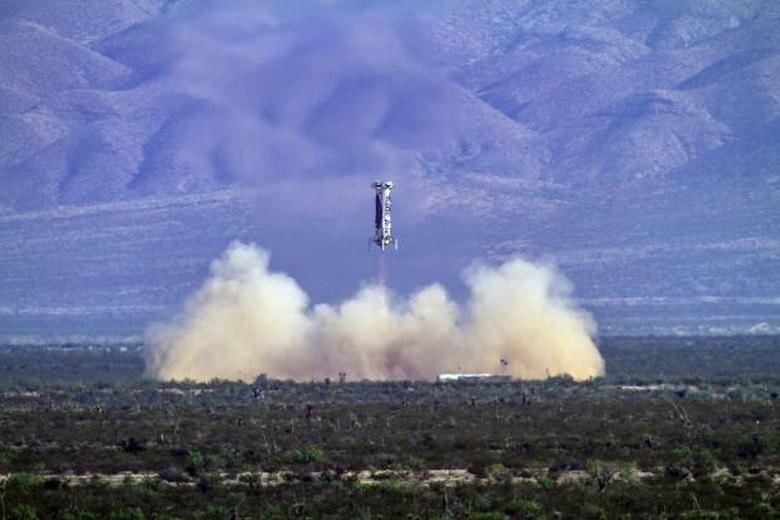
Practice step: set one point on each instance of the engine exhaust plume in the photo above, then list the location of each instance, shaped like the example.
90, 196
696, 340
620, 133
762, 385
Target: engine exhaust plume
246, 320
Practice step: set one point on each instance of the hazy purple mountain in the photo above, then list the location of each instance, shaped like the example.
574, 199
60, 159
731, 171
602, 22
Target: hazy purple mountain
637, 144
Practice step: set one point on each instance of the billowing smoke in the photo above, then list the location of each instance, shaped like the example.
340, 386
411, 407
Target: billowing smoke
248, 320
279, 97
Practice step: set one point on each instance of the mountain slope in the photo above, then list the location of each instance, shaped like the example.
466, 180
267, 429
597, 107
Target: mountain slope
634, 143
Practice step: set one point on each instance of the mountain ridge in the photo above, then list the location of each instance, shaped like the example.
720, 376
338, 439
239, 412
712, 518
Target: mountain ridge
623, 140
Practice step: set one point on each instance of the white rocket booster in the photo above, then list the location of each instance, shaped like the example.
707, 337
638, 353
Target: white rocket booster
383, 220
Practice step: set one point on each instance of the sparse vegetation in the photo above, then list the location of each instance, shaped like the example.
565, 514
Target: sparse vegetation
634, 444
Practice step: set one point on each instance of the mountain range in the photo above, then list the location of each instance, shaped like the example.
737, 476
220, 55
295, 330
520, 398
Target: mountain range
634, 144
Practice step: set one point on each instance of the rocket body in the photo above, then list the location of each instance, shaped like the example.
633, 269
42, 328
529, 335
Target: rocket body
383, 218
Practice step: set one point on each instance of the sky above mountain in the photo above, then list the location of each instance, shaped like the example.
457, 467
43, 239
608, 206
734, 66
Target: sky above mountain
634, 144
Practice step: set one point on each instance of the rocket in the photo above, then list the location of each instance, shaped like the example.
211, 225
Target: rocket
383, 220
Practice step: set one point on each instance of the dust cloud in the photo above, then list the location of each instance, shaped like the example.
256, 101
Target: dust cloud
247, 320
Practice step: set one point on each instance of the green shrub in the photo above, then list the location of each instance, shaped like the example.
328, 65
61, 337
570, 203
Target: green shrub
524, 508
410, 463
545, 482
593, 512
23, 512
127, 514
218, 513
680, 454
487, 515
496, 470
195, 459
272, 512
482, 504
78, 514
753, 445
703, 463
24, 481
398, 487
627, 471
600, 472
307, 454
5, 459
